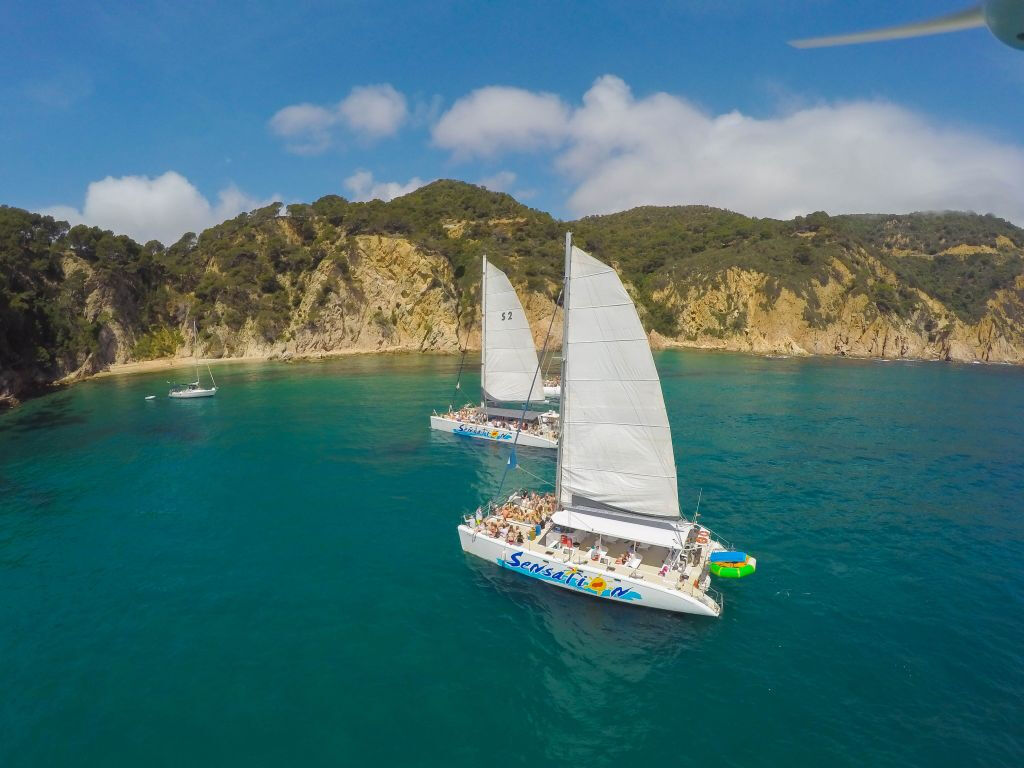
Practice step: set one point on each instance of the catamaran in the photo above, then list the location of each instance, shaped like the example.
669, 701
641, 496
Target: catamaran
509, 381
194, 389
612, 529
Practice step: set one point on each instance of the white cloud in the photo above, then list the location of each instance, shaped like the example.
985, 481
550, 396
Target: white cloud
362, 187
307, 125
620, 151
497, 119
161, 208
368, 112
502, 181
374, 110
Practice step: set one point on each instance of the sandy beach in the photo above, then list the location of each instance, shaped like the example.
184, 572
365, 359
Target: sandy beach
171, 363
167, 364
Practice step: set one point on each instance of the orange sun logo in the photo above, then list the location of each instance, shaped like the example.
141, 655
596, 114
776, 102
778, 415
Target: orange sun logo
598, 585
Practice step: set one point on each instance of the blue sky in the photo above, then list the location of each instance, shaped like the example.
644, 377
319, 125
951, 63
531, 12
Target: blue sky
94, 90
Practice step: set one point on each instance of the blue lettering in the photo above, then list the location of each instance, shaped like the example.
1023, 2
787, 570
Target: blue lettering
514, 559
547, 572
538, 568
559, 576
525, 565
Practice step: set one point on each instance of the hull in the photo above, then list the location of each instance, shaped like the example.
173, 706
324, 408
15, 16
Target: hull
582, 579
192, 394
491, 434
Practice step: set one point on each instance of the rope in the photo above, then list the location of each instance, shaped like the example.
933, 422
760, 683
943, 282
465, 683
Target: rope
551, 352
462, 361
536, 477
526, 402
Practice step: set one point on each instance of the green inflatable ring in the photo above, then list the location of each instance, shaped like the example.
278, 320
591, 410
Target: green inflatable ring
734, 570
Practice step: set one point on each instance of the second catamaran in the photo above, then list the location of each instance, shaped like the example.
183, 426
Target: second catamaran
510, 381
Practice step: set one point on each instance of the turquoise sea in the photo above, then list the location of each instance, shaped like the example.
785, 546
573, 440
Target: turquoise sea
273, 577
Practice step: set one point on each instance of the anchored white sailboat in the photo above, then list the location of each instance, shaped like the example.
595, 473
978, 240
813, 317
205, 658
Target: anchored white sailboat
613, 528
194, 389
509, 376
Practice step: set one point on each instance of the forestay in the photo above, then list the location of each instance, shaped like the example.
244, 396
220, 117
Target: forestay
616, 445
509, 357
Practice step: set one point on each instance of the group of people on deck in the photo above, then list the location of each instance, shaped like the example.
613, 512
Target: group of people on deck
527, 509
473, 415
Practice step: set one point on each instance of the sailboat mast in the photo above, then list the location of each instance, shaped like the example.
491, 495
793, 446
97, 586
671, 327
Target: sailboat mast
563, 400
195, 346
483, 334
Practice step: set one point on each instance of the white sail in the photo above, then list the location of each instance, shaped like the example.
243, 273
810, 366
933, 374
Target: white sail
616, 445
509, 357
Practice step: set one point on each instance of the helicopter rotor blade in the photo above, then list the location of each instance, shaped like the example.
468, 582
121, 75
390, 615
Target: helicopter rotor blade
954, 22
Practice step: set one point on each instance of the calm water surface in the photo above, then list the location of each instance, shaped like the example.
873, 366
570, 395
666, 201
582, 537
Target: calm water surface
273, 577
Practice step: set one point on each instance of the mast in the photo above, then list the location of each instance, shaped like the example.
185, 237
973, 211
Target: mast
563, 400
195, 346
483, 334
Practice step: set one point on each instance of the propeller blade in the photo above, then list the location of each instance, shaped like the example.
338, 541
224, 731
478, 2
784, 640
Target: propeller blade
954, 22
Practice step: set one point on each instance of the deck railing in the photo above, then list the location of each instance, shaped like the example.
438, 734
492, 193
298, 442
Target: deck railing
717, 597
721, 540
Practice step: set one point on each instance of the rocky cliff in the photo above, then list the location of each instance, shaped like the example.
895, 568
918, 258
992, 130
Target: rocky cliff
336, 276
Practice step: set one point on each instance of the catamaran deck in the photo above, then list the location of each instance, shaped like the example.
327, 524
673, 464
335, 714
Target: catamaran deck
473, 422
514, 524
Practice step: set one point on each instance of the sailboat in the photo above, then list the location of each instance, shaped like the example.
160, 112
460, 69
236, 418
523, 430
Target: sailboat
509, 376
194, 389
612, 529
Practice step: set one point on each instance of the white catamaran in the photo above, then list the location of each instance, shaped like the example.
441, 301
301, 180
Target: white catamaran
194, 389
509, 376
613, 528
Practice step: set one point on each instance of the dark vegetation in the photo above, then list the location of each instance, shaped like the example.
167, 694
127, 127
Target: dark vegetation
254, 268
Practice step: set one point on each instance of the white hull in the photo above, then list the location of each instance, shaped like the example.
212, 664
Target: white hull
530, 560
553, 393
490, 433
188, 394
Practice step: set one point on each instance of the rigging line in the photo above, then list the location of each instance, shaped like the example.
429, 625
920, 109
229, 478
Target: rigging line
526, 403
551, 353
535, 477
462, 361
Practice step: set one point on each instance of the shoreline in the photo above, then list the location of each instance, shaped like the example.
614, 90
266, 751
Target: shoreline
174, 363
8, 403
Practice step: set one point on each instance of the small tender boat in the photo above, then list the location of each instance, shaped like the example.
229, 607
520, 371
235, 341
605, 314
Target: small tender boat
509, 376
194, 389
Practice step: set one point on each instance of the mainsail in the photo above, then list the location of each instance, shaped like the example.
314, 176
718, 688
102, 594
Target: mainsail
509, 371
616, 445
